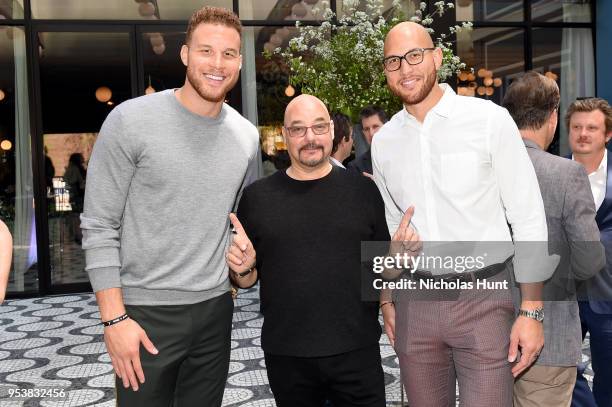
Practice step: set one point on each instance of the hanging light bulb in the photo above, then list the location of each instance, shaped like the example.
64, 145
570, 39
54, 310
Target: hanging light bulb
146, 9
150, 89
2, 95
289, 91
6, 145
103, 94
159, 49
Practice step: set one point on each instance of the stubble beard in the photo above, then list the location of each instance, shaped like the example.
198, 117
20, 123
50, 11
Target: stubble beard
197, 83
428, 83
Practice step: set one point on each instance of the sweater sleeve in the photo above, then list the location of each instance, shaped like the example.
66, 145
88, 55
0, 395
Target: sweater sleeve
253, 173
110, 171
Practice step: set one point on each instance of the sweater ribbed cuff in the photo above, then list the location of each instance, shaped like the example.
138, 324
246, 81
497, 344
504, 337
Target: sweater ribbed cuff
104, 278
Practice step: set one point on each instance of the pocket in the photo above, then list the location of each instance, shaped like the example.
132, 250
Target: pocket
459, 173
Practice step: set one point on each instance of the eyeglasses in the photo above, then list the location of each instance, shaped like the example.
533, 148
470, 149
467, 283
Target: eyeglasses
300, 131
412, 57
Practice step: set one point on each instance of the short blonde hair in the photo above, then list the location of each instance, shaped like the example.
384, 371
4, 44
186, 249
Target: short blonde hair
589, 105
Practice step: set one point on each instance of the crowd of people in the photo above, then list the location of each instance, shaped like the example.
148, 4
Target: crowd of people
164, 242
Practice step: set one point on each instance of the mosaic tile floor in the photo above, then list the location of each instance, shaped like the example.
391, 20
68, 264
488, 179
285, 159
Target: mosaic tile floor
56, 342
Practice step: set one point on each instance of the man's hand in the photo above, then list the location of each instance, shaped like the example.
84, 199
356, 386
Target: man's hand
404, 240
367, 174
406, 234
241, 254
388, 312
123, 345
528, 334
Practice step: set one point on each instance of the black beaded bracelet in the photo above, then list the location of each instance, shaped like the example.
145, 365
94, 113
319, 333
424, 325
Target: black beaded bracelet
115, 321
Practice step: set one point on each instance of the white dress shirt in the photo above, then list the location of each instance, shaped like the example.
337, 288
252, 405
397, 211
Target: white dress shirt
335, 162
466, 171
598, 180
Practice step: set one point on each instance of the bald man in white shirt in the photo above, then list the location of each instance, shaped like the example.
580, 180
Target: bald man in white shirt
463, 166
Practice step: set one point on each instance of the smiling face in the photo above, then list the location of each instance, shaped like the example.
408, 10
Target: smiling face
213, 60
412, 83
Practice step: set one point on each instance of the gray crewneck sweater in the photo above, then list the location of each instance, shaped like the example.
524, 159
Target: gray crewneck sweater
160, 185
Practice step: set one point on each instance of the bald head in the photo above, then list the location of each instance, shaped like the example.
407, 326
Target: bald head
305, 105
408, 32
412, 63
308, 133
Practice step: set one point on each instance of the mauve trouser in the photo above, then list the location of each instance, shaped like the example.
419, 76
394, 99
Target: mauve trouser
465, 340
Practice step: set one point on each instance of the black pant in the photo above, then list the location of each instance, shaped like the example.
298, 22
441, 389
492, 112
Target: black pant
351, 379
191, 367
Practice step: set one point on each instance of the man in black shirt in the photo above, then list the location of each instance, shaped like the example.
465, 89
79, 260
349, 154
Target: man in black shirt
306, 225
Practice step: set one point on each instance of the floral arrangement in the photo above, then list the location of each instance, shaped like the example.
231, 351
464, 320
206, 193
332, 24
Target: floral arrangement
340, 60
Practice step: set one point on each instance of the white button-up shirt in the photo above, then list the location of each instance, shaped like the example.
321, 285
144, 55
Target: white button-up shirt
466, 171
598, 179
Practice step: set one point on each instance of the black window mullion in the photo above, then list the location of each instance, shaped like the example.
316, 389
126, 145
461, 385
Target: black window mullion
37, 155
528, 36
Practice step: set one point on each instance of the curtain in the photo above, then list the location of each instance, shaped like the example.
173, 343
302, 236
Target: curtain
24, 231
577, 63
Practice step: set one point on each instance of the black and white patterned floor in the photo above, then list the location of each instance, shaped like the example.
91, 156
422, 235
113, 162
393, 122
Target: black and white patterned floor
56, 342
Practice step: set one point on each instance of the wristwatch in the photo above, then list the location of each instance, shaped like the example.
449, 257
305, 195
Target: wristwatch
537, 314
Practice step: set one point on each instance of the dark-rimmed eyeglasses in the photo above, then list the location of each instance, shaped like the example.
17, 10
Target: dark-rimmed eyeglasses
300, 131
412, 57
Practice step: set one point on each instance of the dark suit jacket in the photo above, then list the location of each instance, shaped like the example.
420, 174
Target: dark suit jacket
599, 288
363, 163
574, 236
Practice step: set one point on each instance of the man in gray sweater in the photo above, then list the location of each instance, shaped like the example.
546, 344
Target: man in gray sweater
166, 171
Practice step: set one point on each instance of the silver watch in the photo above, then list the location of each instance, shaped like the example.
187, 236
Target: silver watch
537, 314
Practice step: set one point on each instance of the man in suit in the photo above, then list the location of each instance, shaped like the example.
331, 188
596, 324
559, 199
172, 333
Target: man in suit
343, 139
372, 120
532, 101
590, 127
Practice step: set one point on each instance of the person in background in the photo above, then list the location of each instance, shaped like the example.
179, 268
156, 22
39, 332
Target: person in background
372, 119
49, 175
589, 122
6, 252
532, 100
343, 139
75, 176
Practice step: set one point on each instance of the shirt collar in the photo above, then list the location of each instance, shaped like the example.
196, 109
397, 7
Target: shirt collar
604, 162
445, 104
442, 108
602, 165
336, 162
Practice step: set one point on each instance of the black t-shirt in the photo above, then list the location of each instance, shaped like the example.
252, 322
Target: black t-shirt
308, 236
